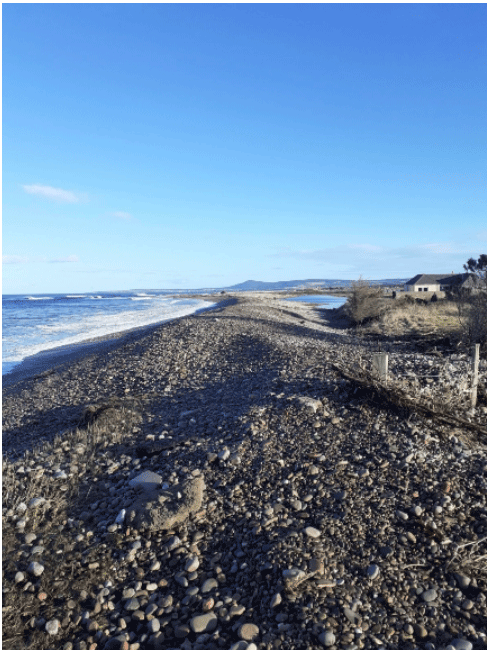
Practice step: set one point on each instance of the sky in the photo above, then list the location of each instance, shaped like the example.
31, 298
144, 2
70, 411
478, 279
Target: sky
164, 146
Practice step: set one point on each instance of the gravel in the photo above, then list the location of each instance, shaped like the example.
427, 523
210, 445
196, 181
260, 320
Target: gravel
324, 519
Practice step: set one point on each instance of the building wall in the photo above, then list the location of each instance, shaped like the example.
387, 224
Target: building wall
417, 288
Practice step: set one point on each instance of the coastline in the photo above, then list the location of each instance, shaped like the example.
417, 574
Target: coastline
50, 360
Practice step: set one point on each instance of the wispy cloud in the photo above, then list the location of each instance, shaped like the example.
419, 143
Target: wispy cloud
14, 259
68, 258
53, 193
387, 261
19, 259
125, 216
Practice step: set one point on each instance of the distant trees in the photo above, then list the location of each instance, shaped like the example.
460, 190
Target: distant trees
477, 267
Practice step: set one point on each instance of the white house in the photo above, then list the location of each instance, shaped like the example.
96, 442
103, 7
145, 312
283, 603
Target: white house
441, 282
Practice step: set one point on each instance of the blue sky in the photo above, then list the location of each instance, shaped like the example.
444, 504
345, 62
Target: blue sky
187, 146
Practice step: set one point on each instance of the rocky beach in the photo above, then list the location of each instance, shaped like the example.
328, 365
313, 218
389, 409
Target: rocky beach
238, 480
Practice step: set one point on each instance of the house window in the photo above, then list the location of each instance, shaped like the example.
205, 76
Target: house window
426, 288
420, 289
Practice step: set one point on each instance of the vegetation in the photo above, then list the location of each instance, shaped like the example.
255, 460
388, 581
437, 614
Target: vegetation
461, 316
471, 305
365, 302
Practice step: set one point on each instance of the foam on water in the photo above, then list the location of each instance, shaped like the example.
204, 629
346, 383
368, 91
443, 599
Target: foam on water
68, 319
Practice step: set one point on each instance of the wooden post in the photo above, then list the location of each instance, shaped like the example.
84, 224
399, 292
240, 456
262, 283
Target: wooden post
380, 365
474, 378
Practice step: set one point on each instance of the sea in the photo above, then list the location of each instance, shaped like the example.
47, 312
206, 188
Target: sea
40, 322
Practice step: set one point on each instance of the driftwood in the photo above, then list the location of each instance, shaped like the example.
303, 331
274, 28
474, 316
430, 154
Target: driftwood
393, 396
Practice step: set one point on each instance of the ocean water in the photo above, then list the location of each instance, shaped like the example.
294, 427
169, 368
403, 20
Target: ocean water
35, 323
322, 302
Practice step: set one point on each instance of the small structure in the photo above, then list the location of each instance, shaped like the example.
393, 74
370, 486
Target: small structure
442, 282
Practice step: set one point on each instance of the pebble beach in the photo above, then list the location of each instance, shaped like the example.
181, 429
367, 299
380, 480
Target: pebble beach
221, 482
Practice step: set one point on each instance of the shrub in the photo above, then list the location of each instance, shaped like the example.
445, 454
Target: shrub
471, 307
476, 320
365, 302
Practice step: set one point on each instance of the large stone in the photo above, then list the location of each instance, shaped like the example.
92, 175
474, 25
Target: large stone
460, 644
162, 509
147, 481
35, 569
309, 403
327, 638
248, 632
203, 623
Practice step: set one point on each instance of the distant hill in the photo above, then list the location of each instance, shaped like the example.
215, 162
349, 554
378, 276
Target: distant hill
258, 285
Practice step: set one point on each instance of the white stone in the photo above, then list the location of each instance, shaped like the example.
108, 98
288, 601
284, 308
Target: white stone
146, 481
312, 532
327, 638
120, 517
35, 568
52, 627
224, 454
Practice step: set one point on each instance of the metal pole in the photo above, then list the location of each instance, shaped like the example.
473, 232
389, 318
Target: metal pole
474, 381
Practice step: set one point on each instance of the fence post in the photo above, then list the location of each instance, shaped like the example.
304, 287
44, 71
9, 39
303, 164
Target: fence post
380, 365
474, 378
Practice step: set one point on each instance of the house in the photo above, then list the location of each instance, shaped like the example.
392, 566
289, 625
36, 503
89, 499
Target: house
442, 282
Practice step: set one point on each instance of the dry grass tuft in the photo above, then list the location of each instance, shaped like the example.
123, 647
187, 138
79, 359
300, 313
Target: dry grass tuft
404, 316
102, 426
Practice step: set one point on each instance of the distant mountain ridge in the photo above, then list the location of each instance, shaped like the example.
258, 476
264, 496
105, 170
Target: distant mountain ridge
258, 285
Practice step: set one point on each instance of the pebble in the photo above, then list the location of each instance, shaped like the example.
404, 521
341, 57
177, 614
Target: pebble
116, 643
35, 569
204, 623
224, 454
153, 625
52, 627
312, 532
208, 585
327, 638
240, 645
462, 580
460, 644
419, 631
192, 564
132, 604
276, 600
248, 632
121, 516
293, 574
373, 571
429, 595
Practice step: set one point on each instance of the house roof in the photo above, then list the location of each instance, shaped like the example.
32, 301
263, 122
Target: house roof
442, 278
